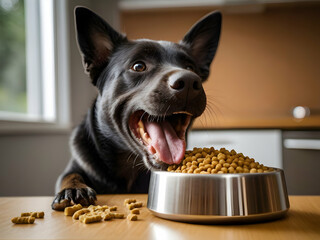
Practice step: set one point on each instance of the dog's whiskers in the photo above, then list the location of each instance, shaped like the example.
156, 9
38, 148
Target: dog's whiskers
165, 113
149, 169
134, 161
129, 157
211, 114
140, 166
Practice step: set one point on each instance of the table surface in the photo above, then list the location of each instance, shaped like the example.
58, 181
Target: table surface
301, 222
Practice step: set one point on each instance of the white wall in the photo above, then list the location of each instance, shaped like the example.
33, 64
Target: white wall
30, 163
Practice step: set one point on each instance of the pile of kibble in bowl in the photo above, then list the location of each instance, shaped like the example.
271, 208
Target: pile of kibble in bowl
210, 160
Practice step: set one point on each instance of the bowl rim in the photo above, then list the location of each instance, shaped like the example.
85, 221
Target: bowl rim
215, 175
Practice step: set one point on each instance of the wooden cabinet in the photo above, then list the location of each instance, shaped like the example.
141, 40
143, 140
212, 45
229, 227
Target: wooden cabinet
266, 64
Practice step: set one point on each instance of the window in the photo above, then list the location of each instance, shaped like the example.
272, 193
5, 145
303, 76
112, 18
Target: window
13, 96
33, 67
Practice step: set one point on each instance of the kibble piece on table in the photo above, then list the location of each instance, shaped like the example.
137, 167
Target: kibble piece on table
113, 208
104, 207
107, 215
118, 215
134, 205
132, 217
93, 208
33, 214
80, 212
23, 220
90, 218
135, 211
69, 211
129, 200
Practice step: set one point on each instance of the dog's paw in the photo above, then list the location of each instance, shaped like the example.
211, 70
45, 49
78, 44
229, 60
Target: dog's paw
70, 196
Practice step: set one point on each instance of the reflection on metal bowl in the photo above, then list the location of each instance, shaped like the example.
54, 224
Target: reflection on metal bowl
218, 198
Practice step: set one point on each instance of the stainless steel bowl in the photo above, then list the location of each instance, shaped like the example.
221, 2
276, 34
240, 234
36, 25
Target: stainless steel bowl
218, 198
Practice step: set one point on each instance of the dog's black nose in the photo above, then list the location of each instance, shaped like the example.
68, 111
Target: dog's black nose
185, 83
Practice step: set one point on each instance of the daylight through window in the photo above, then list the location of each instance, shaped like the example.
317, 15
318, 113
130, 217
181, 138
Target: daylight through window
27, 67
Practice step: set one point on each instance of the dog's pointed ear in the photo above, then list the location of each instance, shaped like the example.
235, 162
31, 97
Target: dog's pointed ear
202, 40
96, 40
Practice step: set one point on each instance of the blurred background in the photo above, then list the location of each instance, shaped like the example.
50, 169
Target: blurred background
263, 91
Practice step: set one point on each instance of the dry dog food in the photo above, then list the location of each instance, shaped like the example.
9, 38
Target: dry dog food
90, 218
98, 208
135, 211
69, 211
113, 208
23, 220
131, 206
33, 214
118, 215
93, 213
210, 160
80, 212
27, 217
129, 200
108, 215
97, 213
132, 217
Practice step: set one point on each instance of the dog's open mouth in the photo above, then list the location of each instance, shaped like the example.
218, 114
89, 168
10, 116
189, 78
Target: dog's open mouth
164, 137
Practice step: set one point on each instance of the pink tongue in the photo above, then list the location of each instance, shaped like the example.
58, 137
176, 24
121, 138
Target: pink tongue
165, 141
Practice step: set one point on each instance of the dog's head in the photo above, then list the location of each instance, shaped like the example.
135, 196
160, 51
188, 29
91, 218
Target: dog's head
149, 91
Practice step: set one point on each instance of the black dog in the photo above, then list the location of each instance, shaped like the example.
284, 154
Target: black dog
149, 94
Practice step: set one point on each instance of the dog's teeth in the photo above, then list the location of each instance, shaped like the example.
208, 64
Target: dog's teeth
142, 133
146, 138
140, 124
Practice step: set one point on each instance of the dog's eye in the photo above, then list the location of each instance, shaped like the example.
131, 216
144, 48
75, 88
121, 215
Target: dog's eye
139, 66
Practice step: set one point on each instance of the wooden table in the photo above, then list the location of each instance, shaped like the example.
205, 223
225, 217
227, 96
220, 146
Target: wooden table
302, 222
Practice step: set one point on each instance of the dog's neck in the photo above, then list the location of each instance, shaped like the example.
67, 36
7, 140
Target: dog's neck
126, 164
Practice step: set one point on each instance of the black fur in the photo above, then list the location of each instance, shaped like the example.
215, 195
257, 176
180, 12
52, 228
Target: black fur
107, 155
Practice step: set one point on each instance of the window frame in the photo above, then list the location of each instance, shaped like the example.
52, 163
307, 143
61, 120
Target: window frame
56, 94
